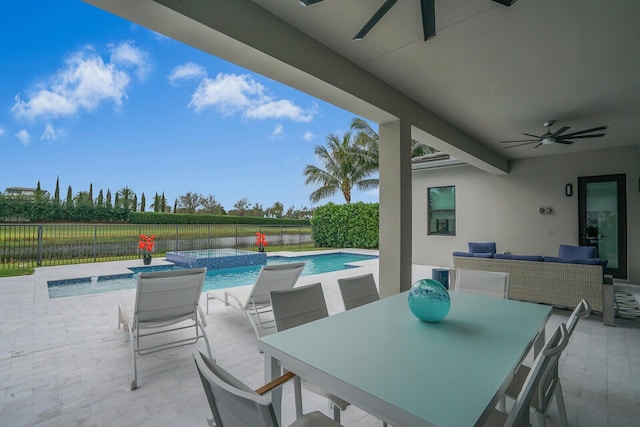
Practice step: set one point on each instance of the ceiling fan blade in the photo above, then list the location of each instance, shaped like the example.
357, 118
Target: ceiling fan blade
388, 4
538, 145
428, 10
562, 141
520, 145
560, 131
521, 140
309, 2
595, 135
569, 135
532, 136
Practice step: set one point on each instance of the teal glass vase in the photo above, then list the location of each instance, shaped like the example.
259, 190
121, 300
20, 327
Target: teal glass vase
429, 300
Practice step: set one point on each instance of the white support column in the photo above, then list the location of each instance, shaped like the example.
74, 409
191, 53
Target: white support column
395, 207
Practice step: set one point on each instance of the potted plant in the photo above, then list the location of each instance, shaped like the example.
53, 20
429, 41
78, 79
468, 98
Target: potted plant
146, 244
261, 241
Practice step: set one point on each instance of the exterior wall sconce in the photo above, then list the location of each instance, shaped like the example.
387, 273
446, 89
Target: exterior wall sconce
568, 190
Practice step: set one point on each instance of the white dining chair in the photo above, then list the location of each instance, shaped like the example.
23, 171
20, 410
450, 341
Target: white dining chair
234, 404
478, 282
536, 378
358, 290
550, 386
294, 307
297, 306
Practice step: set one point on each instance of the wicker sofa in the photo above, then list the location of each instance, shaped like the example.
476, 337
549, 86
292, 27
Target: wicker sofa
558, 284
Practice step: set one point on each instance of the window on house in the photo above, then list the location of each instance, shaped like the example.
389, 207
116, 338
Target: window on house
442, 210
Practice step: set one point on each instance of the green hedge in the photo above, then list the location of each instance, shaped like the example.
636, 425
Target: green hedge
172, 218
352, 225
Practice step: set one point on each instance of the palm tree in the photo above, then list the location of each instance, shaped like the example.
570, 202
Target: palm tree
125, 197
344, 168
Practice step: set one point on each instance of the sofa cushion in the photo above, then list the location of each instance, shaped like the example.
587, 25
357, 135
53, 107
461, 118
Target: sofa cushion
466, 254
527, 257
483, 255
518, 257
585, 261
484, 247
575, 252
472, 255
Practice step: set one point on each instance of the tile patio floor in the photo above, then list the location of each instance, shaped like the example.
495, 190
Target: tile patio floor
63, 362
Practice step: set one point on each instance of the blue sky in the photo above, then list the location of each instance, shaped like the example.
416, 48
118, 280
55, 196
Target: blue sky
93, 98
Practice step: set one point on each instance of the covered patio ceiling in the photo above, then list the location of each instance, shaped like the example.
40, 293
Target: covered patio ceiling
491, 72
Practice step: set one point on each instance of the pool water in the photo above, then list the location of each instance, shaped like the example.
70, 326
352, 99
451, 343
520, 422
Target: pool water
216, 278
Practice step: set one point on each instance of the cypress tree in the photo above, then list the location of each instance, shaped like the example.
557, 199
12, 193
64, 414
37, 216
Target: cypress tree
100, 200
56, 195
69, 197
38, 189
135, 202
91, 193
143, 202
108, 204
163, 203
116, 203
175, 206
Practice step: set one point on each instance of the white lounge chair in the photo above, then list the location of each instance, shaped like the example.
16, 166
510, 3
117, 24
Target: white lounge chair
253, 300
166, 301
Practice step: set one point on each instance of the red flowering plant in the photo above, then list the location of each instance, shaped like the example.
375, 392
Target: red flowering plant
146, 244
261, 241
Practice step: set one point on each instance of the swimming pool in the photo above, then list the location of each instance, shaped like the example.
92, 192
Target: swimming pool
216, 278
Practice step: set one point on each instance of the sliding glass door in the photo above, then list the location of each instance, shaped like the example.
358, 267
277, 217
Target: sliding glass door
602, 202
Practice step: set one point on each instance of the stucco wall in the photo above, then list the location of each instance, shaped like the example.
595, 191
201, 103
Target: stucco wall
504, 208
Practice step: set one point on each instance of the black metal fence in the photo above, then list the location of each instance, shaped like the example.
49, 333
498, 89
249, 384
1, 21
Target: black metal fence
33, 245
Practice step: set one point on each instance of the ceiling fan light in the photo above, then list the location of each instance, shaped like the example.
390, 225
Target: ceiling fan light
309, 2
505, 2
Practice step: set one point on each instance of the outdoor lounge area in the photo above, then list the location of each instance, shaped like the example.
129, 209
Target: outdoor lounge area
467, 79
65, 362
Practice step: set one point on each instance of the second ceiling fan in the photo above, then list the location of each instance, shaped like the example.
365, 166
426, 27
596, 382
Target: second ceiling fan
557, 137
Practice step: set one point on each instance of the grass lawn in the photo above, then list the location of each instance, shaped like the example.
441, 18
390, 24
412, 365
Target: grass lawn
16, 272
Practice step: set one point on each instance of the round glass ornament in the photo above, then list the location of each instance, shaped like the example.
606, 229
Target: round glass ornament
429, 300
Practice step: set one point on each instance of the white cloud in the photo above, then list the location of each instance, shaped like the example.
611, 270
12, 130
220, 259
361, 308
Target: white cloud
23, 136
278, 132
228, 93
50, 133
282, 109
234, 93
188, 71
83, 85
127, 55
1, 131
308, 136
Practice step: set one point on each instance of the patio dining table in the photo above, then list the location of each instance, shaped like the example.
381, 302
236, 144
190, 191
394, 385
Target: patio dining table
382, 359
